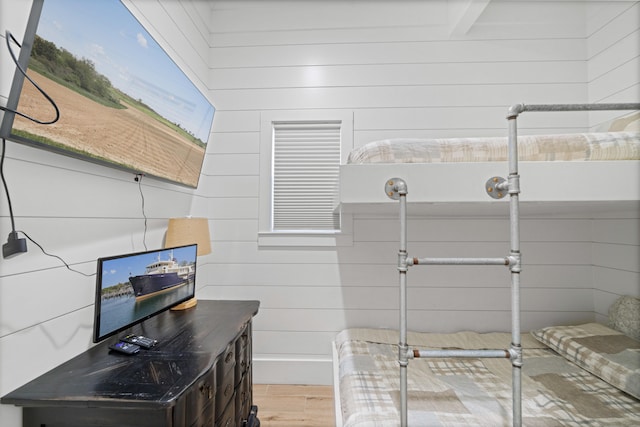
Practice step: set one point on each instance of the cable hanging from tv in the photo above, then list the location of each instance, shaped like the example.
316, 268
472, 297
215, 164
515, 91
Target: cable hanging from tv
16, 245
9, 38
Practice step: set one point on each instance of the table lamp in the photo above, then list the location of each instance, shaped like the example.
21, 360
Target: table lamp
187, 231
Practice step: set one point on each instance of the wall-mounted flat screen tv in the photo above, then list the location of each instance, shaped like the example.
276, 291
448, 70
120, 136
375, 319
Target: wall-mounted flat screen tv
123, 102
131, 288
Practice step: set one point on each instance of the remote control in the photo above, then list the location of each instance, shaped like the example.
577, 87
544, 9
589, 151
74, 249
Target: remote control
125, 347
144, 342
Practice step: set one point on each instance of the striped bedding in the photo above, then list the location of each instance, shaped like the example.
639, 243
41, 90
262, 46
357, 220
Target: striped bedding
477, 392
562, 147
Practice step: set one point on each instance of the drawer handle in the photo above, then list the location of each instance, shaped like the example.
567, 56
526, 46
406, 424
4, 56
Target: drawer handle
227, 390
229, 357
205, 390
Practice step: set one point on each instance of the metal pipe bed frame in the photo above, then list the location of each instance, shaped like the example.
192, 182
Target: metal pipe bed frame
497, 188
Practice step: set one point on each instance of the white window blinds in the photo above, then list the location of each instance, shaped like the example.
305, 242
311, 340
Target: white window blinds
306, 160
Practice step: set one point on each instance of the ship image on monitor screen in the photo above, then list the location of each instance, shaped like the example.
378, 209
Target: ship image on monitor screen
133, 287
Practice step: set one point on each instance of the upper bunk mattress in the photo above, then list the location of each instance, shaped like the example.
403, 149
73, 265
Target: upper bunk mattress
579, 174
562, 147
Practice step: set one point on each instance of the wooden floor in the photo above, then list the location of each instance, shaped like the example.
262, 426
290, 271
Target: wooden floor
294, 405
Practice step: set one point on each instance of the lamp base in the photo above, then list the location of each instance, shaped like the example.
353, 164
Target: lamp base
185, 305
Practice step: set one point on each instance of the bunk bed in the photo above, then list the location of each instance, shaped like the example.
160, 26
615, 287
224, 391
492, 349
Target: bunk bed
586, 374
556, 391
589, 170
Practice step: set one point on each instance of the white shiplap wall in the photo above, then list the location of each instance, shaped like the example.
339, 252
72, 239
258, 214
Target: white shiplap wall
79, 211
402, 72
614, 76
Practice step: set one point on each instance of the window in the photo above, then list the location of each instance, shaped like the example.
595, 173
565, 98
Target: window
300, 157
306, 160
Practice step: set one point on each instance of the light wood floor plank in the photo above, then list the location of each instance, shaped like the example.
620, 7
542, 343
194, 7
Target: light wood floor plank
284, 405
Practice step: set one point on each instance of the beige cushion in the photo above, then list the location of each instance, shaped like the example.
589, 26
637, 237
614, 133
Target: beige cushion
624, 316
607, 354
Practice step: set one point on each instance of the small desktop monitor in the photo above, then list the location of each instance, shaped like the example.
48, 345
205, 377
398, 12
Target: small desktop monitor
133, 287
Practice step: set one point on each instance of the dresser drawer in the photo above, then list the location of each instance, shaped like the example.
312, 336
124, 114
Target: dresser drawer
243, 350
201, 395
227, 361
224, 391
205, 418
244, 398
227, 419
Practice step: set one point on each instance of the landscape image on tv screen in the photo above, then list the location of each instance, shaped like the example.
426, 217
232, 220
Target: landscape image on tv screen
122, 99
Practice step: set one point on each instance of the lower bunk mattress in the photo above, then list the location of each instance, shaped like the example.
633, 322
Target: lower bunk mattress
583, 375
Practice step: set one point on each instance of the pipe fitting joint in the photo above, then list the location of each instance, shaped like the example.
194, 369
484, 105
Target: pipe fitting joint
404, 354
514, 110
402, 261
515, 353
514, 184
395, 187
514, 262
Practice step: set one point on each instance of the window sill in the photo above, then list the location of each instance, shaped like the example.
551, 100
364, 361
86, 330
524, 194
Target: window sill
293, 239
320, 239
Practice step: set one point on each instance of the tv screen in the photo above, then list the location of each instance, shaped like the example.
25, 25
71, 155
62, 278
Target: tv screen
123, 102
133, 287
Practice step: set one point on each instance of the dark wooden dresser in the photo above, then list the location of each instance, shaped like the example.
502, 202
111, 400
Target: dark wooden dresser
199, 374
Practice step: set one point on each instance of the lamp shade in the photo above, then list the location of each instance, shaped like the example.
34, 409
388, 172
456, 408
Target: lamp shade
186, 231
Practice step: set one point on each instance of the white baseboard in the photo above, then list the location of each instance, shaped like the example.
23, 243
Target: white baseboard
292, 371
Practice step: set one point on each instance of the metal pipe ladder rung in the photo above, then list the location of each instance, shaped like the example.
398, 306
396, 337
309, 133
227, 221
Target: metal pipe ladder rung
461, 354
461, 261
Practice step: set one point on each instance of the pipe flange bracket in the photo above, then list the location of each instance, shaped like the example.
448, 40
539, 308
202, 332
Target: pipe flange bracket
395, 187
496, 188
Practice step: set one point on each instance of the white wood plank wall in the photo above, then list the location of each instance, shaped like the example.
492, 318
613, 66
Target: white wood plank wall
401, 72
613, 72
